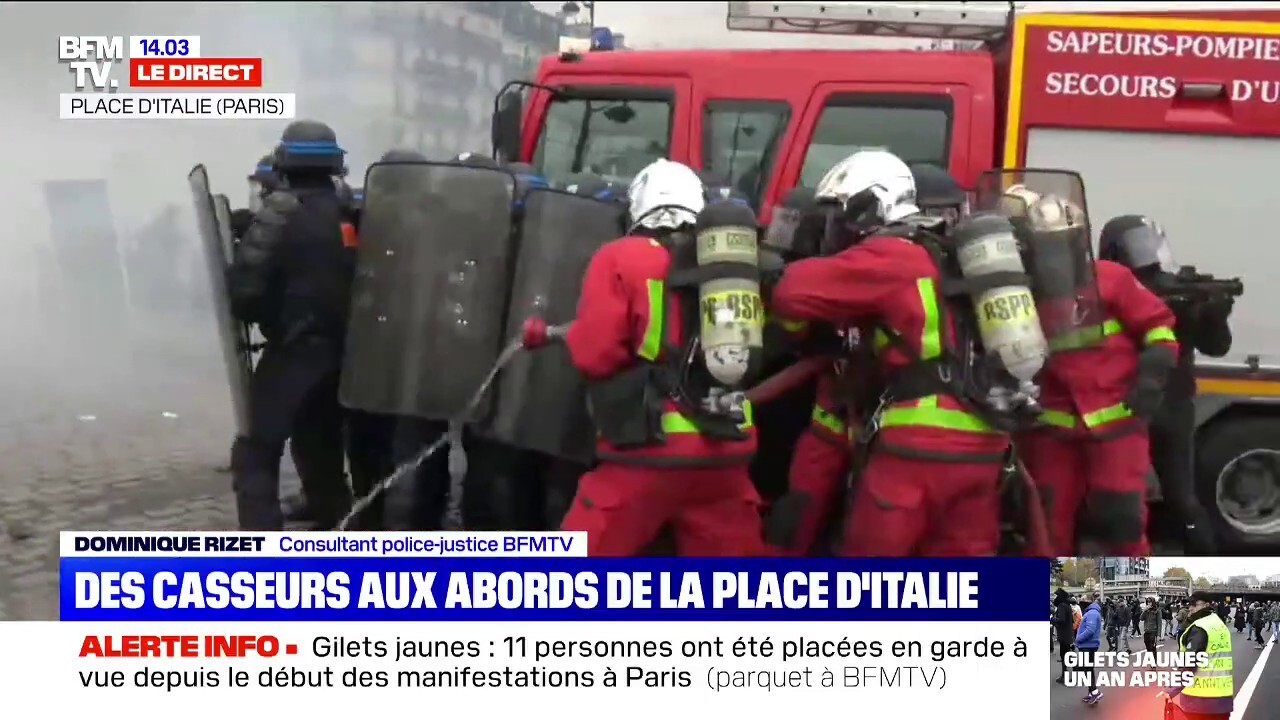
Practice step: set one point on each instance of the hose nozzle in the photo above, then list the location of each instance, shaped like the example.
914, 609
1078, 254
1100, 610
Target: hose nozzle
536, 333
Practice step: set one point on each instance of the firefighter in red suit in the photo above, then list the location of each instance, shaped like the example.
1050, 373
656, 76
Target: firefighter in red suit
661, 462
930, 484
825, 451
819, 465
1090, 455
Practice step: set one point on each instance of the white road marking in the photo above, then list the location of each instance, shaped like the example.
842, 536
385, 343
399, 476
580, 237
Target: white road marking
1251, 682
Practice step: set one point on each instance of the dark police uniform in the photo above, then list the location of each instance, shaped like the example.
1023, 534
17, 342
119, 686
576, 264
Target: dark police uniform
292, 277
1141, 245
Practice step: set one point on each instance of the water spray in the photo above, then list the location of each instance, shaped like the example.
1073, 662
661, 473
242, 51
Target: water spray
534, 335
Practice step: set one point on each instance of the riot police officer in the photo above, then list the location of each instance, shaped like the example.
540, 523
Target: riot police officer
937, 193
370, 435
503, 483
292, 276
309, 452
417, 502
1140, 244
262, 182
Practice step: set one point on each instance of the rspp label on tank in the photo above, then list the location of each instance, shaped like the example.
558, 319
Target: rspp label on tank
733, 306
1006, 306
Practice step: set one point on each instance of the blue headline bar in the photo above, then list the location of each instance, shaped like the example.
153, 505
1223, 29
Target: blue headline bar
564, 589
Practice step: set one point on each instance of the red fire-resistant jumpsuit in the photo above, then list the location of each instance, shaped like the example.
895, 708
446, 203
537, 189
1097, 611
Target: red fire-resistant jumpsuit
697, 485
1092, 454
818, 466
930, 485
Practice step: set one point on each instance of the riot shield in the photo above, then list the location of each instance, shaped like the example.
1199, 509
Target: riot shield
1048, 211
431, 289
222, 210
781, 234
541, 402
235, 351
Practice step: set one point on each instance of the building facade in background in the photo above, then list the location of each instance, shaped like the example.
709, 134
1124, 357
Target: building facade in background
1250, 581
423, 75
1123, 568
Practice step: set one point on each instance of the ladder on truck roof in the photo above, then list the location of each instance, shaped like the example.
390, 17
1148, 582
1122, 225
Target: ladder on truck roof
974, 21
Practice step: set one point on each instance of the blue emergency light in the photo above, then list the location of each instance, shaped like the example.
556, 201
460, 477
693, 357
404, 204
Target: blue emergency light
601, 39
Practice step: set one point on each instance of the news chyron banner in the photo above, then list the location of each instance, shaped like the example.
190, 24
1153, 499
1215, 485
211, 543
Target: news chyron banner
494, 625
110, 85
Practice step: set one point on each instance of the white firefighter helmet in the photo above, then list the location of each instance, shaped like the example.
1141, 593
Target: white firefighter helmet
667, 195
1042, 211
879, 172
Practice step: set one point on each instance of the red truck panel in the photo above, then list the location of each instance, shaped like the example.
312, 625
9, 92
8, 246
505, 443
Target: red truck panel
1127, 73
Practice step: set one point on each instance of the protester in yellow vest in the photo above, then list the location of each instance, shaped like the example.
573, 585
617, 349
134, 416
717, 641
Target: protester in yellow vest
1209, 697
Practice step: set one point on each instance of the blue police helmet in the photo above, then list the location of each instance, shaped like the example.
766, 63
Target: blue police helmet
309, 145
265, 170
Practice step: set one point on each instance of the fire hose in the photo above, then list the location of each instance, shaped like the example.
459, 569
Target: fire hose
535, 334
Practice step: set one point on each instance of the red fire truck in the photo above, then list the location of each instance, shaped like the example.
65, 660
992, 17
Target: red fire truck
1174, 117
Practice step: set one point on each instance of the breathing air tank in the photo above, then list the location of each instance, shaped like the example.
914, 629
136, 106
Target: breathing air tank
1006, 311
729, 302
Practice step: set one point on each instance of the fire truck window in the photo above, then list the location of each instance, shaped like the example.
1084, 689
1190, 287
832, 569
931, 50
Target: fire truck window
613, 138
740, 143
914, 133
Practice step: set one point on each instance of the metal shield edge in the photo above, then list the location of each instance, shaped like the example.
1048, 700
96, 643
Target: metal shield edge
537, 408
222, 211
234, 353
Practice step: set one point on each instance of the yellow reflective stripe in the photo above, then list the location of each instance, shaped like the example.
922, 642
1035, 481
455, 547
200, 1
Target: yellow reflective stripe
1160, 334
930, 337
1079, 338
930, 334
791, 325
1108, 414
879, 339
1057, 418
674, 422
1095, 419
651, 345
828, 420
926, 413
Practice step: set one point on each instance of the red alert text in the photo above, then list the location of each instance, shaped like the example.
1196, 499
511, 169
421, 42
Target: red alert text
195, 72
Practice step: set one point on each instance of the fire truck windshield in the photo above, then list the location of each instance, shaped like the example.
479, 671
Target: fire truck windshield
614, 138
740, 142
916, 131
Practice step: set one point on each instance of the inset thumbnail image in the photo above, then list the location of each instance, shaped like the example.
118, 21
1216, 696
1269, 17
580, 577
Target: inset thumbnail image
1164, 638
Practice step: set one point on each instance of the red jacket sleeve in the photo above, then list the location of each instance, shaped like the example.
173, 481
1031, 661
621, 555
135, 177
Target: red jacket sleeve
841, 289
599, 339
1145, 317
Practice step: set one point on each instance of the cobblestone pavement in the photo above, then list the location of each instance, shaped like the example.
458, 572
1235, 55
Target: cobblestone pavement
138, 442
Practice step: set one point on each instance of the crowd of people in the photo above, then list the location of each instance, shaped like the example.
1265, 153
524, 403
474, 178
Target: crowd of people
1081, 624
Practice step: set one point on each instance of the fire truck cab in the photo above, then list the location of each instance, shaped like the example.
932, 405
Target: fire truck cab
1173, 117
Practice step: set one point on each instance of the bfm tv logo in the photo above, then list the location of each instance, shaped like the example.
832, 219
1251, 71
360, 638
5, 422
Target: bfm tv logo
154, 62
90, 59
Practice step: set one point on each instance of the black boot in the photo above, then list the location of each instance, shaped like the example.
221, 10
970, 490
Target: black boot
296, 509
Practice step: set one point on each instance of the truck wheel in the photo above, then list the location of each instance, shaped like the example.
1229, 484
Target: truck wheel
1238, 480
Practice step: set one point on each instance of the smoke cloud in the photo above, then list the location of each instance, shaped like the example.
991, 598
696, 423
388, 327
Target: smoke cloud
92, 321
